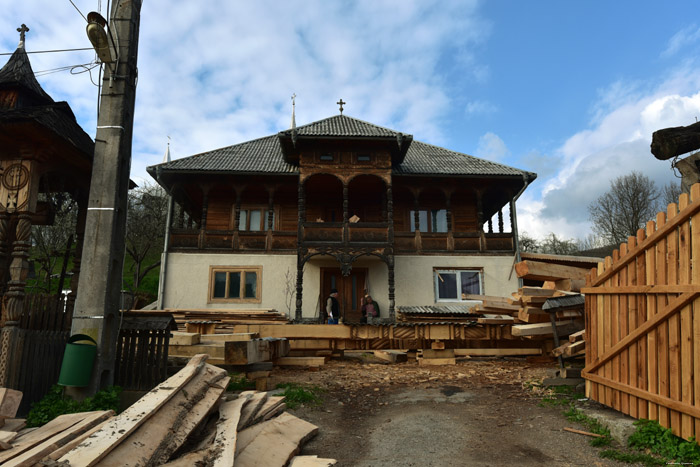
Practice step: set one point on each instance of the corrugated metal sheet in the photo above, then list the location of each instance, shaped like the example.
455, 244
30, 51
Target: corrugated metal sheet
567, 301
438, 309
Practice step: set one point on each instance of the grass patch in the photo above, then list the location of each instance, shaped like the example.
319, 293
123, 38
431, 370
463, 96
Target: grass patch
297, 394
631, 457
655, 439
55, 403
239, 383
593, 425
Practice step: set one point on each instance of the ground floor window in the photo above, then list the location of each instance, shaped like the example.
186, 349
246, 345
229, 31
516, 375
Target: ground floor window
235, 284
456, 284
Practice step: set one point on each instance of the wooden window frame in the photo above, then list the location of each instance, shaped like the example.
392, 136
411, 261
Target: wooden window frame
369, 155
437, 271
334, 156
256, 207
430, 226
243, 270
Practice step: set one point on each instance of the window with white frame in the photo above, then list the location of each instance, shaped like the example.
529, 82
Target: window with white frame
254, 219
455, 284
235, 284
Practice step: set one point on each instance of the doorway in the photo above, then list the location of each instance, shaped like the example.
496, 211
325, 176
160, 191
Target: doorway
351, 290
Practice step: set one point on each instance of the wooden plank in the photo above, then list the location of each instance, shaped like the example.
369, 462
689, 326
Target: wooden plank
540, 271
436, 361
496, 352
643, 406
232, 337
92, 451
391, 356
631, 325
301, 361
48, 446
577, 336
311, 461
58, 453
545, 329
166, 430
624, 331
35, 437
185, 338
662, 266
575, 348
9, 403
271, 406
224, 447
256, 401
640, 289
275, 445
580, 432
535, 292
652, 350
679, 370
13, 424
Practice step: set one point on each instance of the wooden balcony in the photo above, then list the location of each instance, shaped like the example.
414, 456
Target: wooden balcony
330, 233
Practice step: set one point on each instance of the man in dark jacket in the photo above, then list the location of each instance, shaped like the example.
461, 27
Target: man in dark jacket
332, 308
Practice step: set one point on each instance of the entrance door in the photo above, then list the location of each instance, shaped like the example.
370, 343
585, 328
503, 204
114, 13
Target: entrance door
351, 289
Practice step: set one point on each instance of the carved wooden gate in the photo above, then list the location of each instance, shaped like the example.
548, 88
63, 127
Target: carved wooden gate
643, 322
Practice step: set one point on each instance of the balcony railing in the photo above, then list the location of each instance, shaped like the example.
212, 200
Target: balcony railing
316, 233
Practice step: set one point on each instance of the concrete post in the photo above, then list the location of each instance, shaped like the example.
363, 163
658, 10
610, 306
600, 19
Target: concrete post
96, 310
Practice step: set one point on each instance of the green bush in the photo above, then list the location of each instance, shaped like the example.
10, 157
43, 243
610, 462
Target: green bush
659, 440
55, 403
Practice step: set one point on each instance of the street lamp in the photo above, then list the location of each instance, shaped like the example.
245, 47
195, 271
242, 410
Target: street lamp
100, 36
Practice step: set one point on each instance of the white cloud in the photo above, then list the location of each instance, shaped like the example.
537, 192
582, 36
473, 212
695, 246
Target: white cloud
615, 146
685, 37
480, 107
492, 147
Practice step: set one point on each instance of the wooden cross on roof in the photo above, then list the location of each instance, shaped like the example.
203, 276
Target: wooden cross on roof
22, 30
341, 103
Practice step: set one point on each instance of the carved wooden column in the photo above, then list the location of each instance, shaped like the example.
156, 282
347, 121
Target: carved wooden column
237, 218
490, 225
4, 250
346, 215
416, 220
480, 219
203, 224
500, 220
390, 250
270, 217
448, 215
301, 203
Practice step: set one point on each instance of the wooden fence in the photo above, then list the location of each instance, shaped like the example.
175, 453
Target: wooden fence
643, 322
44, 331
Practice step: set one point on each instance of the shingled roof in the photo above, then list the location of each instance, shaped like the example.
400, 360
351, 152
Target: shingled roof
265, 155
18, 72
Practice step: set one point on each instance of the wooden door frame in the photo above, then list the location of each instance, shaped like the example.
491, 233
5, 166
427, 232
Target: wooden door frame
323, 298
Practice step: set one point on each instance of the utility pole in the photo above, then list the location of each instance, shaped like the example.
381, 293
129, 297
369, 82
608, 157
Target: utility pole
96, 311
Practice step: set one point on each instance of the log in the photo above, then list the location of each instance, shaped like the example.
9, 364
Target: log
539, 271
671, 142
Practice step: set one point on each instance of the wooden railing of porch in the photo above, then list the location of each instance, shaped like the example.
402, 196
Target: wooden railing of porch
643, 322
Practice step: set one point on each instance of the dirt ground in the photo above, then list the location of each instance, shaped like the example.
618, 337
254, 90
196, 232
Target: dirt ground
480, 412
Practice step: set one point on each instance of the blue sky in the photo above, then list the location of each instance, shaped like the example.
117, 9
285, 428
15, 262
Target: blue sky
570, 90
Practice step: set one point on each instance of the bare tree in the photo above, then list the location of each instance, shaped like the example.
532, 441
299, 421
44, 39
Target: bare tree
670, 193
145, 233
558, 246
632, 200
51, 243
527, 243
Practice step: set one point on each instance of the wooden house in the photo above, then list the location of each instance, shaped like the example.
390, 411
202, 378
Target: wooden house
277, 222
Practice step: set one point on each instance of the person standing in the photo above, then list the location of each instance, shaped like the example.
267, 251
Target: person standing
370, 310
333, 307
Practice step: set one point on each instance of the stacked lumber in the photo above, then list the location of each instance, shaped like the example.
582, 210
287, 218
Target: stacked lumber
531, 300
575, 346
224, 319
494, 305
228, 349
184, 421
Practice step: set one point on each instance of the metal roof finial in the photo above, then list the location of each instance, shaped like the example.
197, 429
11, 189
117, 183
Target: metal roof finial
341, 103
22, 30
294, 122
166, 157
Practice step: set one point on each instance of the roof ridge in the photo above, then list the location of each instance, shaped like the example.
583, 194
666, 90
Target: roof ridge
374, 125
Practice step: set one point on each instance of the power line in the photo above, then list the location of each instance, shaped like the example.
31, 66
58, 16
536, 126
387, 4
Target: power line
81, 13
50, 51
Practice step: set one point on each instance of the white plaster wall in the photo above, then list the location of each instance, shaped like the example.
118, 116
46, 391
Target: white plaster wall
413, 276
187, 279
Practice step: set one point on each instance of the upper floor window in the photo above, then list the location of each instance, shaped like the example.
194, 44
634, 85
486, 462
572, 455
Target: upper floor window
432, 220
327, 157
456, 284
235, 284
364, 157
254, 219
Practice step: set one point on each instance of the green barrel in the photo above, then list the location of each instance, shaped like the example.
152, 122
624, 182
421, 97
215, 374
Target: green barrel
78, 359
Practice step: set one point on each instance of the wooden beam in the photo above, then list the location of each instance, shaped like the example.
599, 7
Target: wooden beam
184, 338
301, 361
93, 451
545, 329
391, 356
495, 352
641, 289
537, 270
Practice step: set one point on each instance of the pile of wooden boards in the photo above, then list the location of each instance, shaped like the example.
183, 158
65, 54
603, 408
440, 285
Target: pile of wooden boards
9, 426
225, 319
228, 349
575, 346
184, 421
